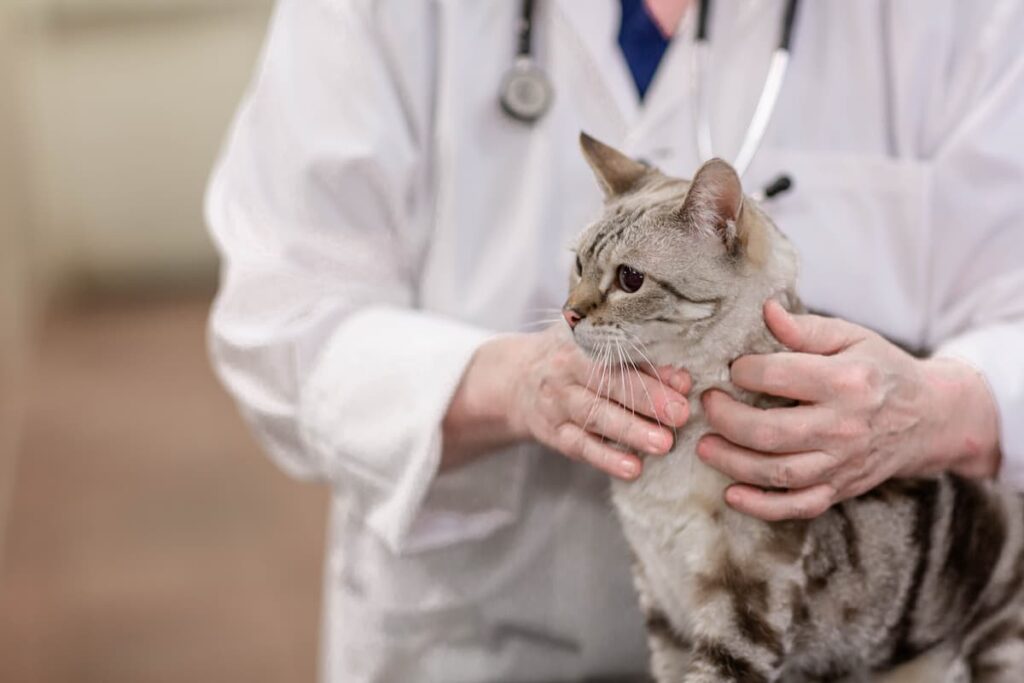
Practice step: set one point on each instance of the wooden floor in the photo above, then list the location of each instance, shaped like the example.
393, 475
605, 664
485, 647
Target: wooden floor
149, 539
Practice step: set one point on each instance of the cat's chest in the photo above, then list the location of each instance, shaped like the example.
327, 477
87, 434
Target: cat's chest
674, 544
677, 522
685, 534
677, 509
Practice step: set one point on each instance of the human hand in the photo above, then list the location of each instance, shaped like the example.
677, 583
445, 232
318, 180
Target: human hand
868, 412
566, 401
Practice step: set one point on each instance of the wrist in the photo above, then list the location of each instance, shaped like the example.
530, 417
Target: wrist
491, 385
967, 433
478, 416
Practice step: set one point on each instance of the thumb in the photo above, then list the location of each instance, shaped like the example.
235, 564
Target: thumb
810, 333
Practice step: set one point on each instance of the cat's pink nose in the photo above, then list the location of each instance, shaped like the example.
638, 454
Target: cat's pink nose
572, 317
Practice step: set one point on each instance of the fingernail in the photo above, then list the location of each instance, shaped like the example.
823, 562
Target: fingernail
676, 412
678, 381
630, 467
657, 440
731, 496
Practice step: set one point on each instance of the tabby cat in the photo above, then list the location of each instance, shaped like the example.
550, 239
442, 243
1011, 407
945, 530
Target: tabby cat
918, 580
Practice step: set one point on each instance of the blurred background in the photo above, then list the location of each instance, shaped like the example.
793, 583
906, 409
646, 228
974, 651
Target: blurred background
143, 537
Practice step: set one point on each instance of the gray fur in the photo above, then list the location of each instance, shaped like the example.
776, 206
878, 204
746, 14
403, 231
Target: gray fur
918, 580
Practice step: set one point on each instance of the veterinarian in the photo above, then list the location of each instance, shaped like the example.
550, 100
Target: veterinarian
395, 233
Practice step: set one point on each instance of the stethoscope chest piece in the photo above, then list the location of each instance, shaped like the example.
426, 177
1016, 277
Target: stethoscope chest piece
526, 92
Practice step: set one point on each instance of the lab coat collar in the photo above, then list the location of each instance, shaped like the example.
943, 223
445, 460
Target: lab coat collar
593, 26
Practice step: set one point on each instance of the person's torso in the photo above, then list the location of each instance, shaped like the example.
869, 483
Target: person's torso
549, 597
509, 197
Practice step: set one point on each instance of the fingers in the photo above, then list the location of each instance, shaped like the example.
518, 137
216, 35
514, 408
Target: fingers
575, 443
797, 471
651, 396
811, 333
660, 398
773, 506
800, 376
600, 416
676, 378
772, 430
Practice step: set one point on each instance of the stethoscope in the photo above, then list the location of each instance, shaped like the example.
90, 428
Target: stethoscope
526, 92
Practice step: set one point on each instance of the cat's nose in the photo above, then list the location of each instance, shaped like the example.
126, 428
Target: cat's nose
572, 316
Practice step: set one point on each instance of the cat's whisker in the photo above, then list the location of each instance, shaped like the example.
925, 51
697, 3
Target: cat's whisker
631, 338
675, 430
590, 375
632, 395
626, 369
600, 379
603, 353
622, 378
650, 400
641, 350
608, 389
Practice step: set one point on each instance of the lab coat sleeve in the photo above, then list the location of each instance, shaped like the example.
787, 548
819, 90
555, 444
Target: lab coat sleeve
318, 209
977, 208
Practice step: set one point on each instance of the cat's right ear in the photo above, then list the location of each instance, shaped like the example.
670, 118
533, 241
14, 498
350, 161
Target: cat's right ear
615, 171
714, 202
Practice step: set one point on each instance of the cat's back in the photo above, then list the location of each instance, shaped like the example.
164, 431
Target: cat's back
907, 566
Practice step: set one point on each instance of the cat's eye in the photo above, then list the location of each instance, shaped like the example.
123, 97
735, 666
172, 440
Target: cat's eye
579, 266
630, 279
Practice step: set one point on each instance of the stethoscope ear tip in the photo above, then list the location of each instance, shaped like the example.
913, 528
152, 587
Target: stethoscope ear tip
782, 183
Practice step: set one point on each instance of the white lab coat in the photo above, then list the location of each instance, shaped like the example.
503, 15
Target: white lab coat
379, 217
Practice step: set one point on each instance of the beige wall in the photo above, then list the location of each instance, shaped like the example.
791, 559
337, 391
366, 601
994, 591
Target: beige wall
13, 307
125, 105
111, 114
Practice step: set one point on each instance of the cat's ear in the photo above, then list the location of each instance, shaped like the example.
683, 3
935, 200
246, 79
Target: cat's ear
714, 202
616, 172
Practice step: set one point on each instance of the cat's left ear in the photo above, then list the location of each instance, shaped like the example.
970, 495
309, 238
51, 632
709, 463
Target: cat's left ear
714, 202
616, 172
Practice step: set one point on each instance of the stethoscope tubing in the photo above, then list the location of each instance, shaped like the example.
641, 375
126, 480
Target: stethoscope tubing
766, 102
524, 47
526, 92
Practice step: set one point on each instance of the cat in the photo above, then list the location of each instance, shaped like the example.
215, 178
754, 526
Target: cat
917, 580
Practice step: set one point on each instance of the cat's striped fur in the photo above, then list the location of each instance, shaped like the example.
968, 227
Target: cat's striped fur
918, 580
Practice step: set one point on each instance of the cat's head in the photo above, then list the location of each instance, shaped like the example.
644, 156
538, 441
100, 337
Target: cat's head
667, 257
